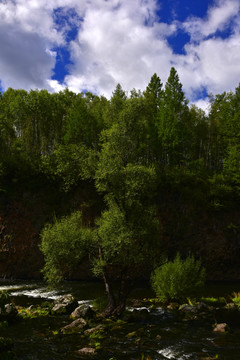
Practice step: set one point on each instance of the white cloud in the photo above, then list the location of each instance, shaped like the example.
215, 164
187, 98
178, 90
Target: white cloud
218, 17
118, 41
203, 104
116, 46
212, 62
54, 86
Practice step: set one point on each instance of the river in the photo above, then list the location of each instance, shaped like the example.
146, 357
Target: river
162, 335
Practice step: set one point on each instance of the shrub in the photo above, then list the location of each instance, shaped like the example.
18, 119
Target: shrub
64, 244
178, 279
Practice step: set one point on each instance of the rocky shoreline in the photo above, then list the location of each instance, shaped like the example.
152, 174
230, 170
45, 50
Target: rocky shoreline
93, 329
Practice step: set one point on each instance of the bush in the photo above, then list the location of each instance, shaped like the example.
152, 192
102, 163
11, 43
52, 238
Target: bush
178, 279
64, 244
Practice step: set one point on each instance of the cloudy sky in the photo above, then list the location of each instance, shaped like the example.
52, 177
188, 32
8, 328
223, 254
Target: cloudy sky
95, 44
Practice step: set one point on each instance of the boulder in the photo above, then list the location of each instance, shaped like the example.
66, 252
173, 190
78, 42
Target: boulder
64, 305
76, 325
221, 328
8, 312
83, 311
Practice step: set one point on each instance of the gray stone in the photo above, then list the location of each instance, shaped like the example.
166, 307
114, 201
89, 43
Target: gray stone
83, 311
64, 305
9, 312
76, 325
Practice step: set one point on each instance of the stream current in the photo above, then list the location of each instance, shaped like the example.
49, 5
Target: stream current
164, 334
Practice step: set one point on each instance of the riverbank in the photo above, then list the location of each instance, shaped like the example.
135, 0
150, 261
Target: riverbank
148, 327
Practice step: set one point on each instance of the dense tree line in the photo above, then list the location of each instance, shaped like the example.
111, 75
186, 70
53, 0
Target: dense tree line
131, 148
37, 125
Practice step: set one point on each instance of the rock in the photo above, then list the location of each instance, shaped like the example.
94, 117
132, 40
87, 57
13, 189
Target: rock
64, 305
76, 325
8, 312
83, 311
188, 308
230, 306
92, 330
87, 352
59, 309
202, 306
221, 328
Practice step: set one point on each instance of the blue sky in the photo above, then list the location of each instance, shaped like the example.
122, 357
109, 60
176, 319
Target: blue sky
95, 44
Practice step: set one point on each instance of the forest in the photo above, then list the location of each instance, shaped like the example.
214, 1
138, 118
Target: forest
135, 178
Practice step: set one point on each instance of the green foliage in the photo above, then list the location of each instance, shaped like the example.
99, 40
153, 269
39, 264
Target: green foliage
64, 244
172, 120
140, 152
236, 298
178, 279
37, 312
70, 164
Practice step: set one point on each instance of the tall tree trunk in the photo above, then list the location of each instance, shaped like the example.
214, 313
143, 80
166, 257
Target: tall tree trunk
115, 306
110, 295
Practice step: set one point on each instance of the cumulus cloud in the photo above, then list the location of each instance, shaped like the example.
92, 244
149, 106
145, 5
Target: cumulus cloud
24, 61
218, 17
211, 61
116, 41
121, 48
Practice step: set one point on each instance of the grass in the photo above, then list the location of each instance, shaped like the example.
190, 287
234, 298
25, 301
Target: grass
27, 313
213, 300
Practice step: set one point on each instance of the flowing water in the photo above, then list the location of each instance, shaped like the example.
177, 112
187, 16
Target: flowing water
163, 334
